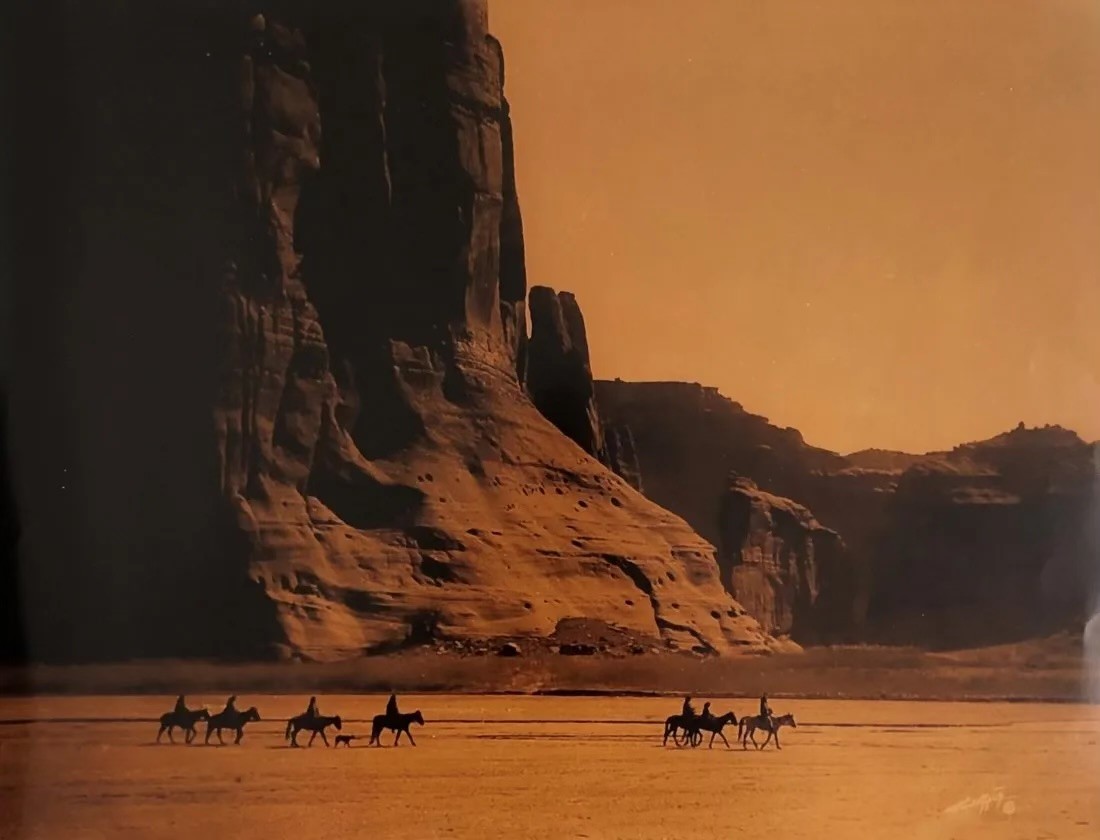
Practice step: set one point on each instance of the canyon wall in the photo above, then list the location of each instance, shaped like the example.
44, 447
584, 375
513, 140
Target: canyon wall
284, 353
989, 542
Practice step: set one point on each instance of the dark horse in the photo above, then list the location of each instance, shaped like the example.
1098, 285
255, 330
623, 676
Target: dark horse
230, 719
185, 720
714, 726
685, 722
398, 723
693, 727
316, 724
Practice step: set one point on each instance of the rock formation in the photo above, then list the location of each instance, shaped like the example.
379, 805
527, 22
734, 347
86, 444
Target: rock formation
559, 370
690, 438
989, 542
298, 422
622, 455
776, 559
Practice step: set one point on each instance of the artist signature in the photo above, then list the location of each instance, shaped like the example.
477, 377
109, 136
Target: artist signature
996, 801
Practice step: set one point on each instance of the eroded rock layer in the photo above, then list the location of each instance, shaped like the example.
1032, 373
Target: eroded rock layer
778, 561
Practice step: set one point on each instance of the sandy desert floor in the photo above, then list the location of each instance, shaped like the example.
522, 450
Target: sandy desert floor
86, 767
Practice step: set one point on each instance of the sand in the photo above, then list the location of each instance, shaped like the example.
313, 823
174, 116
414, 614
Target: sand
546, 767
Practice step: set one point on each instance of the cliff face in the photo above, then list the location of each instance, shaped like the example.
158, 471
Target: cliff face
778, 561
559, 371
325, 292
690, 438
991, 541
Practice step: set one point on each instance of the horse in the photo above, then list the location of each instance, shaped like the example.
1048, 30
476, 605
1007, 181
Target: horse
713, 725
185, 720
750, 724
684, 722
399, 723
230, 719
316, 724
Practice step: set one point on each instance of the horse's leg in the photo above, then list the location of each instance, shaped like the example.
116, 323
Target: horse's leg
160, 732
710, 745
777, 746
398, 738
323, 738
221, 740
411, 741
311, 737
723, 737
294, 738
170, 738
240, 734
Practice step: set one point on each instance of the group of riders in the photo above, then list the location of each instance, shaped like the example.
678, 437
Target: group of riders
693, 724
310, 712
689, 712
232, 719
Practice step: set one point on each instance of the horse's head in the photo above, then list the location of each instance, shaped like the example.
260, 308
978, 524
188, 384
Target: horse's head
728, 717
337, 722
788, 720
419, 718
203, 714
252, 714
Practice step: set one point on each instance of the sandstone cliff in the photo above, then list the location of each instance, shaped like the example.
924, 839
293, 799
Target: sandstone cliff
778, 561
559, 369
991, 541
300, 424
690, 438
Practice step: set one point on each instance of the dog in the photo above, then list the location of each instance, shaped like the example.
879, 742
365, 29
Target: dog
345, 740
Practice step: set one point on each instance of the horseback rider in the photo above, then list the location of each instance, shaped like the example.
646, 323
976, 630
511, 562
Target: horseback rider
311, 709
689, 710
391, 708
181, 707
766, 712
706, 715
230, 705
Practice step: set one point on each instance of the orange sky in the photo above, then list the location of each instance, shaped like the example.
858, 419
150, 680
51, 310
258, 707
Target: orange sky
876, 221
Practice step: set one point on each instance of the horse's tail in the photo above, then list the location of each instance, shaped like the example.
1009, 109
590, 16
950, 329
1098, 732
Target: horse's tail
289, 725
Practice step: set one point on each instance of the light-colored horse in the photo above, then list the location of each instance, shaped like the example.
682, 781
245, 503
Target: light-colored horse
750, 724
